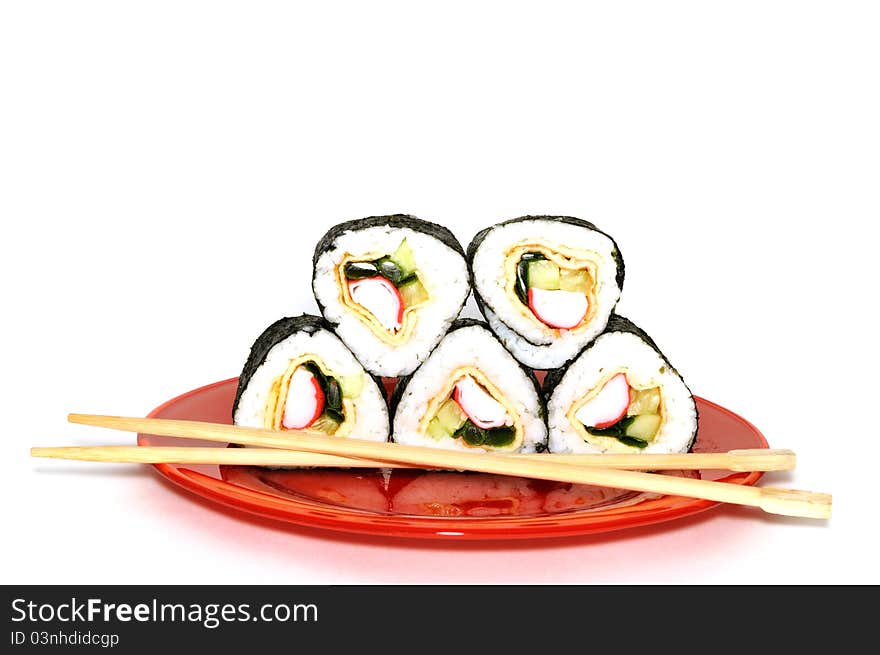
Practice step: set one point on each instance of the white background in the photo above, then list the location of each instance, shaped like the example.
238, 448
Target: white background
166, 168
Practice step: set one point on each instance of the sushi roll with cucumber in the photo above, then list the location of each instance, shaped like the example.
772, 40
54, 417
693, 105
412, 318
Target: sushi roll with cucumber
620, 395
470, 394
546, 285
300, 375
391, 286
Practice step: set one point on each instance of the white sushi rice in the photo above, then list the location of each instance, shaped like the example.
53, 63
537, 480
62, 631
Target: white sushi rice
371, 410
468, 346
441, 270
539, 357
645, 368
530, 342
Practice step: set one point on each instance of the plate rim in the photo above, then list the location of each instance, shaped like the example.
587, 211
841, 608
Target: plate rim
355, 521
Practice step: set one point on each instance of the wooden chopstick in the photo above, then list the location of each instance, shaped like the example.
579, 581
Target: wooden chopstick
777, 501
758, 459
190, 455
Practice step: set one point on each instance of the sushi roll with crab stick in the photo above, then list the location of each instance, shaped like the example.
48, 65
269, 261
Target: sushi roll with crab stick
470, 394
546, 285
620, 395
300, 375
390, 286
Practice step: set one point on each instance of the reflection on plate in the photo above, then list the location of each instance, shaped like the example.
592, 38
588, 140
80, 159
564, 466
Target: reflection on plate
440, 504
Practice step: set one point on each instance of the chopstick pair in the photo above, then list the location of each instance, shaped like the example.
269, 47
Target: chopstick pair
586, 469
734, 460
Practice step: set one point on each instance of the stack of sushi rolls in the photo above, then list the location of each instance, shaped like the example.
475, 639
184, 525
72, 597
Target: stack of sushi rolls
390, 290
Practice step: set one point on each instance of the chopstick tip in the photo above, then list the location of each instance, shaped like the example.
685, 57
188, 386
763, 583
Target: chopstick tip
792, 502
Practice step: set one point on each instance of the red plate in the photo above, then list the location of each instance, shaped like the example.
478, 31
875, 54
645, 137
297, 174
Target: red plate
432, 504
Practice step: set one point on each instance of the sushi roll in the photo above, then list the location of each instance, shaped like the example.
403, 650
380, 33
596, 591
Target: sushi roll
620, 395
546, 285
300, 375
470, 394
391, 286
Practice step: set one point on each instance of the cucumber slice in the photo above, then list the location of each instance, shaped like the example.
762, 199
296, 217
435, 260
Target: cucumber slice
574, 280
352, 385
404, 259
326, 424
450, 416
635, 431
643, 427
543, 274
413, 292
644, 401
436, 430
